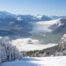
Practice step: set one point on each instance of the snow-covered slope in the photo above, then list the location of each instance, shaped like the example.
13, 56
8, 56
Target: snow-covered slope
46, 26
25, 45
44, 17
54, 26
49, 31
38, 61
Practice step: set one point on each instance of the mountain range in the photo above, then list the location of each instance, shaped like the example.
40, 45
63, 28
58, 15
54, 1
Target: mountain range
32, 26
49, 31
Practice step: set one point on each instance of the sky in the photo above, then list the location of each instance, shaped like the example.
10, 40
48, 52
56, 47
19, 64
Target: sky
34, 7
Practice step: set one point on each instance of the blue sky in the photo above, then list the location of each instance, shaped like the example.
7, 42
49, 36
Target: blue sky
34, 7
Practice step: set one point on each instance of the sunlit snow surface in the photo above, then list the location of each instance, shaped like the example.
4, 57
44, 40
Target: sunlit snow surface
38, 61
24, 45
27, 44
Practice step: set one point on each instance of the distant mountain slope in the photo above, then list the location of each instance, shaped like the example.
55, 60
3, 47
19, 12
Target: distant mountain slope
50, 26
11, 24
45, 18
49, 31
62, 28
22, 25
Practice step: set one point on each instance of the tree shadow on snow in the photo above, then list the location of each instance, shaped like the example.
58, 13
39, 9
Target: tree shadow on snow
20, 63
29, 59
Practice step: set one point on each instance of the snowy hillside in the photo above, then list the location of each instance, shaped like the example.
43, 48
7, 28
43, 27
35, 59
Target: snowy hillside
49, 31
38, 61
46, 26
28, 44
55, 25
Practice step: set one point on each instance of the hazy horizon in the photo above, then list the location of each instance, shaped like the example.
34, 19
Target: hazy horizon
34, 7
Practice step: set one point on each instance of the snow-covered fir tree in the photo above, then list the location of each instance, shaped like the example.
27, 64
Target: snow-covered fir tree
62, 43
7, 51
